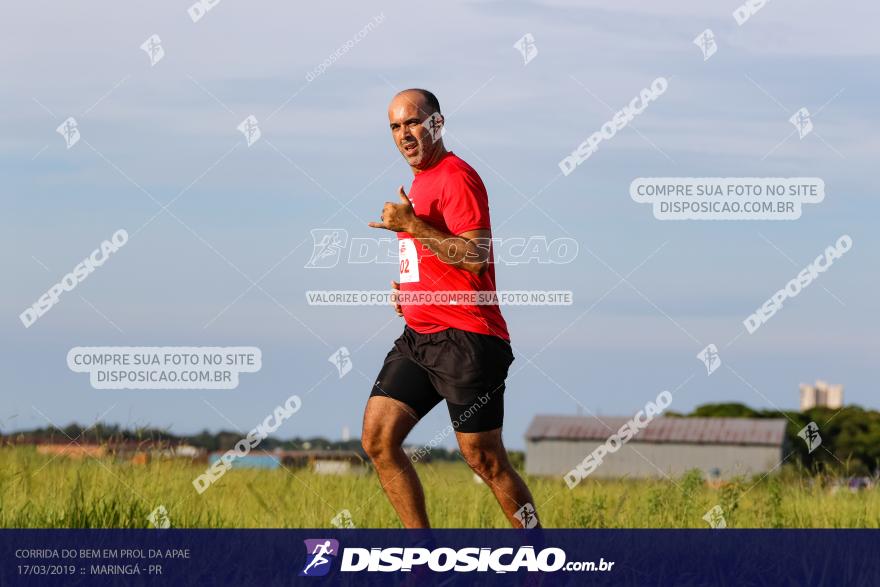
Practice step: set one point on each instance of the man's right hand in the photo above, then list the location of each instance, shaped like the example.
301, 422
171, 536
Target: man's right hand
395, 287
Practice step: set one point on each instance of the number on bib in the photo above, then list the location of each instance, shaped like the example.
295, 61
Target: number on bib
409, 261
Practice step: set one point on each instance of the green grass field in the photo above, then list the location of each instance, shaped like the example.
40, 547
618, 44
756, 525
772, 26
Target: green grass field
36, 491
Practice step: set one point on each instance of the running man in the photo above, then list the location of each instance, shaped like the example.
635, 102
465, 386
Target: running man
458, 353
319, 552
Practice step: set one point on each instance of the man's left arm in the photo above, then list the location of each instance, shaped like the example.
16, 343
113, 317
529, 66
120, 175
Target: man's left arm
468, 250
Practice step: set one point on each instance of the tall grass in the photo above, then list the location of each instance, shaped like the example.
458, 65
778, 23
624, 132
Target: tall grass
39, 491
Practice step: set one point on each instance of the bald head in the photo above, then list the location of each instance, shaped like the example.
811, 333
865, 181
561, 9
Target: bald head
408, 116
426, 100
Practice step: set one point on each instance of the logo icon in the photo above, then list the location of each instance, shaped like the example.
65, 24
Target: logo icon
70, 131
153, 48
250, 128
434, 124
802, 122
342, 359
343, 520
327, 245
527, 516
715, 518
320, 552
159, 518
810, 434
706, 42
527, 48
710, 358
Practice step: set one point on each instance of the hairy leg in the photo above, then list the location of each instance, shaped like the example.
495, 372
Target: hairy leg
386, 424
486, 455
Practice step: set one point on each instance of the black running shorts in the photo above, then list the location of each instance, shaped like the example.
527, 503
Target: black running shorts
464, 368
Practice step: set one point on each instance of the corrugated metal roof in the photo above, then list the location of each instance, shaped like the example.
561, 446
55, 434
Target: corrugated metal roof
760, 431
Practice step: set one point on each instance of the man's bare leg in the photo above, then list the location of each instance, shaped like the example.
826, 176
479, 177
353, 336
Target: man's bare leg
386, 424
486, 455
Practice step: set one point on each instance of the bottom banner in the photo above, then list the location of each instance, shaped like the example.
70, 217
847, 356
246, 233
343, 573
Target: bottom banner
447, 557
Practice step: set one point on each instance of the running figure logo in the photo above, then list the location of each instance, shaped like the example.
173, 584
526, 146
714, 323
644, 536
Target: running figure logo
343, 520
710, 358
250, 128
526, 47
69, 129
153, 48
810, 434
327, 247
342, 359
802, 122
706, 42
527, 516
715, 518
319, 553
159, 518
434, 125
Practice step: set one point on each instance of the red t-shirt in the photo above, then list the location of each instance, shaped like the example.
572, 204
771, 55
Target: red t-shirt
450, 197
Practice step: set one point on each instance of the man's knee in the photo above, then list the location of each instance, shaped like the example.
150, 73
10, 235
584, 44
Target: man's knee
379, 443
386, 423
486, 462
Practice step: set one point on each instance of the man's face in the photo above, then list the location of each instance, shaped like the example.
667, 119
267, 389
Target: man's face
406, 113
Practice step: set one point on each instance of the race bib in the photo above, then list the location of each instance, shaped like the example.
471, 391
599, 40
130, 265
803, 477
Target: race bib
409, 261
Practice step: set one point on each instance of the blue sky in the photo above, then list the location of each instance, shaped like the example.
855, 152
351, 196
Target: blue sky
169, 131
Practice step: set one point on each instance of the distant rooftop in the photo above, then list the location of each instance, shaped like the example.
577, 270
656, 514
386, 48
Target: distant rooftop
752, 431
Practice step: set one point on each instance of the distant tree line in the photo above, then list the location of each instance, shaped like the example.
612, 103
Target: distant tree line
850, 435
210, 441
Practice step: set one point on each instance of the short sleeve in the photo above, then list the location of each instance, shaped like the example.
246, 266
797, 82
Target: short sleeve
465, 203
